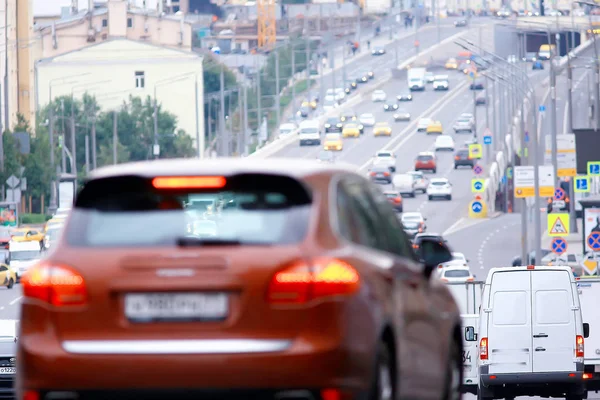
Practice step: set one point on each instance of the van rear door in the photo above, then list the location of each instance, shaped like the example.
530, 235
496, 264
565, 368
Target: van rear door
553, 322
509, 322
589, 298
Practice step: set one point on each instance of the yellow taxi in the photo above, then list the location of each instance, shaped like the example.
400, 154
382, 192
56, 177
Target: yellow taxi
382, 129
435, 127
452, 63
27, 235
333, 141
311, 104
8, 277
351, 130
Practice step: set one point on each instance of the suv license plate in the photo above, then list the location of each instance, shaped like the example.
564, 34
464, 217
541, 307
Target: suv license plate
146, 307
8, 371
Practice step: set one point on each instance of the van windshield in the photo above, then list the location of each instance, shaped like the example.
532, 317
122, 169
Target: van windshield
309, 130
251, 209
25, 255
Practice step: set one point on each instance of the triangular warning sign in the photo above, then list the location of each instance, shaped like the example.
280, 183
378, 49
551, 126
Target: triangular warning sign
558, 227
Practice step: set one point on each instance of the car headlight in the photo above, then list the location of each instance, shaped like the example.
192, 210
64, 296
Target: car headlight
339, 125
327, 126
360, 127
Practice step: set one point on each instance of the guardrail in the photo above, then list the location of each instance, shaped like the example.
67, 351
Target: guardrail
498, 167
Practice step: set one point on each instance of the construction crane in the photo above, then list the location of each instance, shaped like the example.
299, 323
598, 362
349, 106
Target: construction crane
267, 24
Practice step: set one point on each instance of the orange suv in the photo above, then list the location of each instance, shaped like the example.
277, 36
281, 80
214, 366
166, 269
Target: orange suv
426, 161
236, 279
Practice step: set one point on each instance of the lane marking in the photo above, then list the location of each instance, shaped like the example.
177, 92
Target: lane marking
16, 300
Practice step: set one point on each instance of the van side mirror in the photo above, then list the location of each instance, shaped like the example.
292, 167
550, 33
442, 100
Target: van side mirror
470, 335
432, 253
586, 330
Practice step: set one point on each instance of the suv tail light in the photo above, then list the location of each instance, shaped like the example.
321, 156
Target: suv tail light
301, 283
58, 285
579, 346
398, 200
373, 174
483, 349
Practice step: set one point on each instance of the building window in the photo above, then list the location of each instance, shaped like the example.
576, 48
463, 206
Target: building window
140, 80
129, 22
104, 23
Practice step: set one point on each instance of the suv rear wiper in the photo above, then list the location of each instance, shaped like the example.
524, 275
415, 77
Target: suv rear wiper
192, 241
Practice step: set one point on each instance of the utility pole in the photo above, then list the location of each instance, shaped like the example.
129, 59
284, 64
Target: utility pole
246, 124
553, 121
294, 77
94, 160
2, 141
73, 149
474, 108
115, 138
496, 135
87, 154
199, 138
259, 116
53, 205
63, 138
156, 149
344, 76
224, 137
332, 65
277, 89
436, 15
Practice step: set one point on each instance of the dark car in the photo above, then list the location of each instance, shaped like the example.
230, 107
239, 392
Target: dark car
350, 86
462, 159
378, 51
390, 107
380, 173
348, 116
530, 57
404, 97
333, 125
304, 112
420, 237
477, 84
304, 307
537, 65
517, 262
395, 199
364, 76
480, 101
460, 23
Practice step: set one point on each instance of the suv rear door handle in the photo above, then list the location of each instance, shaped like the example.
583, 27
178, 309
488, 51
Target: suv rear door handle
540, 349
540, 335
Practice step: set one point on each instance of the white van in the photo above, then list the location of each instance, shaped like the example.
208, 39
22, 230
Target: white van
470, 353
23, 255
531, 334
589, 297
309, 132
405, 184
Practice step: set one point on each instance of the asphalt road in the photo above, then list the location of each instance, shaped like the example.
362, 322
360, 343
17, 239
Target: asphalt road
381, 65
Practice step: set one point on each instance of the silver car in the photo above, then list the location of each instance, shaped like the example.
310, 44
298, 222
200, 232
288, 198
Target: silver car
421, 181
414, 223
463, 125
402, 115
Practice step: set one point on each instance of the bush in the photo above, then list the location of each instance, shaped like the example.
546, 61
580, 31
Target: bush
34, 219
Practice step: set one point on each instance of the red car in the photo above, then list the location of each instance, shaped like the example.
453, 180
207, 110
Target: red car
426, 161
299, 284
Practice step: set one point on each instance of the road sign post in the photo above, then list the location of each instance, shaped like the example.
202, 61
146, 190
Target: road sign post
478, 208
475, 151
582, 184
558, 224
566, 154
559, 246
478, 169
525, 182
559, 194
593, 241
477, 185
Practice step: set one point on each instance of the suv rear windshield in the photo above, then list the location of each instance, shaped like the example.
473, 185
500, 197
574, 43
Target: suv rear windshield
425, 158
249, 209
457, 273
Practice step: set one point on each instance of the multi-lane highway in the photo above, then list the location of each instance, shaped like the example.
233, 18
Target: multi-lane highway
381, 65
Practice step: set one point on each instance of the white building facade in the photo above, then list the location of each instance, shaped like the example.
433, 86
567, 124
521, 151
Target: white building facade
116, 69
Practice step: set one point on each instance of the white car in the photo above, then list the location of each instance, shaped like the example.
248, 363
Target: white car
441, 82
458, 260
439, 188
413, 223
340, 94
456, 275
386, 158
378, 96
329, 104
444, 142
429, 77
286, 129
367, 119
468, 116
423, 124
421, 181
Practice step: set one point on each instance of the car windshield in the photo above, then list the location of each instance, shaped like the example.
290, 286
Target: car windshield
425, 158
458, 256
18, 233
25, 255
402, 111
457, 273
325, 155
333, 121
466, 116
439, 183
380, 168
391, 195
425, 121
444, 139
351, 126
378, 92
329, 102
367, 116
309, 130
381, 125
251, 209
384, 155
333, 136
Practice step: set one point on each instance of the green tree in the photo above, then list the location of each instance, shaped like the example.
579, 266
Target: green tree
37, 167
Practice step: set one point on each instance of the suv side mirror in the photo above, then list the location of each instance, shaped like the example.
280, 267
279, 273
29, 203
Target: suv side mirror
432, 252
470, 335
586, 330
